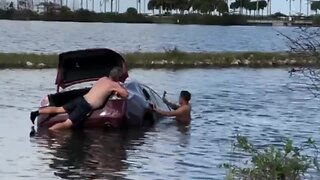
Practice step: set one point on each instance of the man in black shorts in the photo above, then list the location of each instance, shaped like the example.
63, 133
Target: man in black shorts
80, 108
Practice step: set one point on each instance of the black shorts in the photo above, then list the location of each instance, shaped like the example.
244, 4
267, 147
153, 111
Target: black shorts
78, 110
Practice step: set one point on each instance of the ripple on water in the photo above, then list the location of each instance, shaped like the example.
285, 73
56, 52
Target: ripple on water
248, 102
29, 37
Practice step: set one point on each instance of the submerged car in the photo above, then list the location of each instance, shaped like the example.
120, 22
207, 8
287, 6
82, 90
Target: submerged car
86, 66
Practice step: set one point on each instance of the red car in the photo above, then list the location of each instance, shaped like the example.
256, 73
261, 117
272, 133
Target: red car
85, 66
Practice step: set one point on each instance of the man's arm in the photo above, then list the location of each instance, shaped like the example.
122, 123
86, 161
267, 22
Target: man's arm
170, 104
177, 112
121, 91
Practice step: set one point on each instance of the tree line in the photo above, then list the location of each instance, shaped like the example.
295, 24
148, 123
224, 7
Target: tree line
206, 6
189, 6
315, 6
249, 6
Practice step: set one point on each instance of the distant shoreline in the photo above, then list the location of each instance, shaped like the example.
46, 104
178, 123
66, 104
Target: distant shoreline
172, 60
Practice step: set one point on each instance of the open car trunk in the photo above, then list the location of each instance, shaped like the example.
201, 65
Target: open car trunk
88, 65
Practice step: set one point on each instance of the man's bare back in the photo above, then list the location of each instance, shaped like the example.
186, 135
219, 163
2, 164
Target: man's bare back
101, 90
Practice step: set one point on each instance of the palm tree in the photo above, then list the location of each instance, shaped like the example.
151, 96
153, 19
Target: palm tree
269, 8
138, 6
92, 5
111, 5
308, 4
118, 6
105, 6
152, 5
300, 7
290, 1
81, 4
315, 6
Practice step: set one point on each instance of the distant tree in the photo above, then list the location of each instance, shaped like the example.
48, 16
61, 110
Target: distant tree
198, 6
240, 4
65, 9
315, 6
252, 7
234, 6
183, 5
11, 5
22, 4
132, 11
152, 5
222, 7
261, 5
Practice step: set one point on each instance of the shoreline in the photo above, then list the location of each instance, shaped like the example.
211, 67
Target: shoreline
172, 60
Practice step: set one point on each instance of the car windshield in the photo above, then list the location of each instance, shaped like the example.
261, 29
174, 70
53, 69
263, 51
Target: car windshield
152, 96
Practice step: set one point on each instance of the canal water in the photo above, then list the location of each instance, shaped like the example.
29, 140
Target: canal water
259, 104
56, 37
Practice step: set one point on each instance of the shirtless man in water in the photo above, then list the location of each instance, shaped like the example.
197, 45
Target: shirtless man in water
80, 108
181, 112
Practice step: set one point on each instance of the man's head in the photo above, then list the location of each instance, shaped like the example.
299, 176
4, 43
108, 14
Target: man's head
115, 73
185, 97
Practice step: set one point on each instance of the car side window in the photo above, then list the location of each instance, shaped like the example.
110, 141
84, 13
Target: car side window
146, 94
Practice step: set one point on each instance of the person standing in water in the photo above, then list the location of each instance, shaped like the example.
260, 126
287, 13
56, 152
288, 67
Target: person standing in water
80, 108
181, 112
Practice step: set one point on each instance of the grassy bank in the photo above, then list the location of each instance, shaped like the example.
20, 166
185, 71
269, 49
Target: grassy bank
171, 59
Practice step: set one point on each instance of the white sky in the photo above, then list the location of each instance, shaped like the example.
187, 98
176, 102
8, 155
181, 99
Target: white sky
277, 5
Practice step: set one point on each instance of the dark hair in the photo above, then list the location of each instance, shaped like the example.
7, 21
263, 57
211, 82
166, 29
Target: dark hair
186, 95
115, 73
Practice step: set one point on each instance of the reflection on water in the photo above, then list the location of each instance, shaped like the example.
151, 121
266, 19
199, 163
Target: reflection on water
252, 102
90, 154
96, 154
